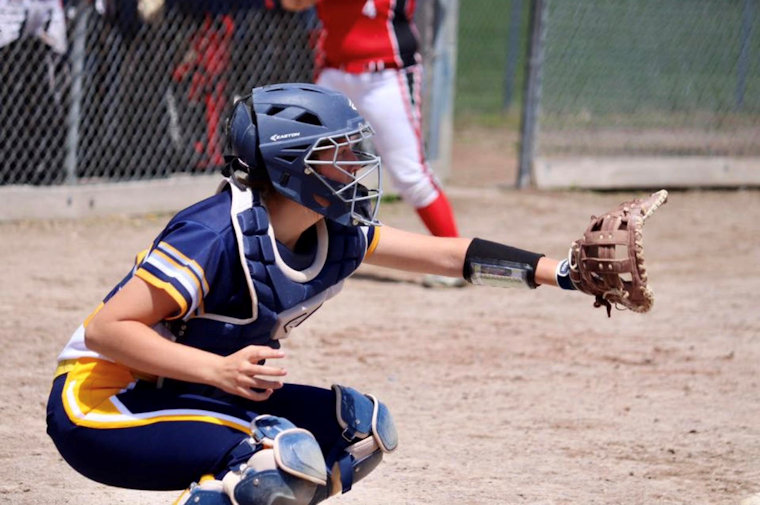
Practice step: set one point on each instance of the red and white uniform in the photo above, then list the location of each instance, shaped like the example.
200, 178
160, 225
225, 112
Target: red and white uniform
362, 35
369, 50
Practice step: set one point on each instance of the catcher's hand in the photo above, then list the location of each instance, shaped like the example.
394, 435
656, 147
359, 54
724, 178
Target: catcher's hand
596, 268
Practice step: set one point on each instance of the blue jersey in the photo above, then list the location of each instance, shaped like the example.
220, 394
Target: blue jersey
235, 285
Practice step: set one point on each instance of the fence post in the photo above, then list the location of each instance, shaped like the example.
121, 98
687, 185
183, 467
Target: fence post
513, 45
532, 93
743, 63
77, 75
442, 94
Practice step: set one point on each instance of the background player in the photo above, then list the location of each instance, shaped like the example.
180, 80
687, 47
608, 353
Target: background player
369, 50
168, 383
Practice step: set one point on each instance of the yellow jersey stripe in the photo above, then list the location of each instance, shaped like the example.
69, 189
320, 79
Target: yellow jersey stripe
373, 244
141, 256
89, 318
165, 286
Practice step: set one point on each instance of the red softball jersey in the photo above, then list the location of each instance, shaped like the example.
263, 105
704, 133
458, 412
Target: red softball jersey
366, 35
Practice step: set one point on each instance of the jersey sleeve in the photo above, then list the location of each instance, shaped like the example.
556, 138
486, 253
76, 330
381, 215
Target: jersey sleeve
371, 237
183, 262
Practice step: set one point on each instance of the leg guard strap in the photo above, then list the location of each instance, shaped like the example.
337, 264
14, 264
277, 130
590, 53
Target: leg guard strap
368, 432
361, 415
355, 463
296, 451
208, 492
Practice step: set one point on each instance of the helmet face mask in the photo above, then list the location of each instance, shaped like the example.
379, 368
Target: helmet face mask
305, 140
350, 174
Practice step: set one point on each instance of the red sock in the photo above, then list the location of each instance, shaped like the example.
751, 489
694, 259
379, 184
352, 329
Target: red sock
439, 218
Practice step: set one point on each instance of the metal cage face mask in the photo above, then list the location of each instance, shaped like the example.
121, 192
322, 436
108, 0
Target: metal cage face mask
352, 175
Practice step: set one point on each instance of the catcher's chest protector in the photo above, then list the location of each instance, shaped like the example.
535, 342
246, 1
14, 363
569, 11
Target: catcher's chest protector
282, 297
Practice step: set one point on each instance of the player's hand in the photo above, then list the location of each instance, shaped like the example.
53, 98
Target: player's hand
297, 5
241, 374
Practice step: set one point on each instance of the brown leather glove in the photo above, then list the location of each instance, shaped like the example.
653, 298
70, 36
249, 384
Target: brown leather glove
608, 261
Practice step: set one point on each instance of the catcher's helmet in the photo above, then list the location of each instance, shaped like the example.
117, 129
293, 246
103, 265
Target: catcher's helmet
285, 132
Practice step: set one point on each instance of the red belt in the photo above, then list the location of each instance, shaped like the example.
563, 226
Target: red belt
360, 67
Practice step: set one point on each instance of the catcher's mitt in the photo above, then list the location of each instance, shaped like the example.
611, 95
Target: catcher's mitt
595, 267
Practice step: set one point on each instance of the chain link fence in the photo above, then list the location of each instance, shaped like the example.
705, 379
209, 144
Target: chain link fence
651, 77
618, 81
491, 46
116, 90
109, 92
128, 94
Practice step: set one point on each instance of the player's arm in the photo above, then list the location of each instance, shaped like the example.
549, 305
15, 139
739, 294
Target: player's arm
460, 257
122, 330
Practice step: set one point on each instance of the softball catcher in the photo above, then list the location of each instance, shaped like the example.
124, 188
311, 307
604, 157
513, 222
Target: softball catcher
175, 381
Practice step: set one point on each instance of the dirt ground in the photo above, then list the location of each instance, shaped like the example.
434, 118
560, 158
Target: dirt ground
500, 396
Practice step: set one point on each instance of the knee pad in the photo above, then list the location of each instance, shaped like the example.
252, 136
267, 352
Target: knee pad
368, 433
288, 469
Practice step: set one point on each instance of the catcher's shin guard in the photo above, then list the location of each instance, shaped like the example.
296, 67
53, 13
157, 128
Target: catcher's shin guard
368, 432
288, 469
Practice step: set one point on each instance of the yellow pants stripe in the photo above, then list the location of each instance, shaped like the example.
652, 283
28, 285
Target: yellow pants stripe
90, 398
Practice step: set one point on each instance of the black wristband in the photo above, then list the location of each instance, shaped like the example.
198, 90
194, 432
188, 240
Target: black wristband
493, 251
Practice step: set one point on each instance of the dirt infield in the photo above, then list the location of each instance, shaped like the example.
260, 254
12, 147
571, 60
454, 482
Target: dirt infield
500, 396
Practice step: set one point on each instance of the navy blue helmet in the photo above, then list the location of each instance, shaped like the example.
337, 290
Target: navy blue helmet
296, 136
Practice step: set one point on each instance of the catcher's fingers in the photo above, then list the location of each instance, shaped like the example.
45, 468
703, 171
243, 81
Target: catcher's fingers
256, 382
263, 378
257, 353
254, 375
260, 383
243, 371
256, 388
253, 394
272, 371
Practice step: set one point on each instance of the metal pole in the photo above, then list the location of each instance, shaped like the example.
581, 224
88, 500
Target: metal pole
532, 93
513, 46
425, 21
743, 63
77, 76
440, 132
